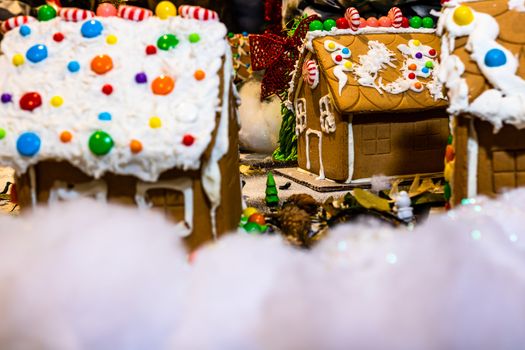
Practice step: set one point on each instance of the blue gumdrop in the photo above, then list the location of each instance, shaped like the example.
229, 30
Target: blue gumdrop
28, 144
104, 116
73, 66
25, 30
37, 53
345, 51
425, 70
244, 33
495, 58
91, 28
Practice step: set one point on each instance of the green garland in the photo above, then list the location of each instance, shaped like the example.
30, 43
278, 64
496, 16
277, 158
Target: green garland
287, 149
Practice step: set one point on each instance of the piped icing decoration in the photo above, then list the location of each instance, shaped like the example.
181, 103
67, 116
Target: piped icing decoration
353, 18
37, 53
30, 101
91, 29
133, 13
15, 22
374, 61
28, 144
311, 73
72, 14
340, 55
505, 101
197, 12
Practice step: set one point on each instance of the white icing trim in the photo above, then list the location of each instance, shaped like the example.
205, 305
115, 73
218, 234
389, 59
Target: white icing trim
183, 184
32, 185
61, 191
472, 161
517, 5
351, 152
300, 115
326, 116
343, 65
320, 143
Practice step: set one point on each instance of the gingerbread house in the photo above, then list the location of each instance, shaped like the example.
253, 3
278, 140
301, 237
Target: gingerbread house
133, 112
368, 102
484, 69
242, 63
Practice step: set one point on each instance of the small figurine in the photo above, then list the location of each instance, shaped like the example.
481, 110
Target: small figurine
272, 199
403, 208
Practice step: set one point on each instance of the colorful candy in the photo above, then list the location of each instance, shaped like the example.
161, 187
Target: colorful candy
329, 24
188, 140
384, 22
18, 60
71, 14
427, 22
342, 23
28, 144
353, 18
133, 13
15, 22
30, 101
101, 64
165, 9
311, 73
104, 116
66, 136
58, 37
155, 122
111, 39
163, 85
24, 30
91, 29
495, 58
416, 22
396, 16
106, 9
315, 25
199, 75
73, 66
135, 146
141, 78
167, 42
463, 15
3, 133
46, 13
372, 22
100, 143
6, 98
151, 50
56, 101
197, 12
194, 38
107, 89
37, 53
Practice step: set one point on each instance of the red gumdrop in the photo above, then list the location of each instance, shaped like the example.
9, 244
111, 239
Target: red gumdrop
151, 50
30, 101
342, 23
432, 52
405, 23
188, 140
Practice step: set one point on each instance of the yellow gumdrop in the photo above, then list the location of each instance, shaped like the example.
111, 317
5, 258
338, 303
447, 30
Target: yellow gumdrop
449, 171
18, 59
57, 101
165, 9
416, 42
249, 212
111, 39
348, 65
155, 122
331, 46
463, 15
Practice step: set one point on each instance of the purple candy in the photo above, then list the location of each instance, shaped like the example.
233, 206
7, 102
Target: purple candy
419, 55
6, 98
141, 78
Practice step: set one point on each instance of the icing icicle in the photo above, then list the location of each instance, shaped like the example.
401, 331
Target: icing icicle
340, 55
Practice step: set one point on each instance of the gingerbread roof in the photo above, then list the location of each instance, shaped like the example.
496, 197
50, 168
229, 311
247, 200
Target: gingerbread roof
370, 70
111, 95
487, 79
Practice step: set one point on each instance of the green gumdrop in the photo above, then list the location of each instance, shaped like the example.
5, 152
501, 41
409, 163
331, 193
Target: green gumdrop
263, 228
447, 190
2, 133
46, 13
194, 37
100, 143
230, 35
416, 22
167, 42
450, 139
429, 64
244, 220
251, 227
329, 24
427, 22
316, 25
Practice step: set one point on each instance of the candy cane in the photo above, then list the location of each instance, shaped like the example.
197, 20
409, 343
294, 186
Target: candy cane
72, 14
14, 22
396, 16
197, 12
133, 13
311, 73
352, 16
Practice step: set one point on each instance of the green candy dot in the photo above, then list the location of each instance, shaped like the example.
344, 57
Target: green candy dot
2, 133
427, 22
329, 24
195, 38
429, 64
230, 35
450, 139
100, 143
416, 22
46, 13
447, 190
316, 25
167, 42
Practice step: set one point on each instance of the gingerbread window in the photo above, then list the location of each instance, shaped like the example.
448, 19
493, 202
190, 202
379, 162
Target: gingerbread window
327, 118
300, 115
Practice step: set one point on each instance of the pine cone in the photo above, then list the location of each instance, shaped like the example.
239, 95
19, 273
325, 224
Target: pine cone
304, 202
295, 224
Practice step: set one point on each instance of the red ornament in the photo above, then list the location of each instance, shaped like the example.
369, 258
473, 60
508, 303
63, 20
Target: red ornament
405, 23
342, 23
432, 52
338, 58
412, 76
58, 37
30, 101
107, 89
188, 140
151, 50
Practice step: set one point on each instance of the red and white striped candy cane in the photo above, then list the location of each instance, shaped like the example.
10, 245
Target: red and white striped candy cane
54, 4
133, 13
396, 16
14, 22
311, 73
352, 16
197, 12
72, 14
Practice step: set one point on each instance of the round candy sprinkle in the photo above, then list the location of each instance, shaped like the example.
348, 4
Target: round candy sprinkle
257, 218
25, 30
141, 78
416, 42
56, 101
348, 65
2, 133
429, 64
495, 58
416, 22
58, 37
345, 51
372, 22
405, 23
107, 89
101, 64
36, 53
100, 143
412, 66
46, 13
418, 85
463, 15
165, 9
188, 140
18, 60
167, 42
155, 122
199, 75
111, 39
106, 9
91, 28
427, 22
194, 38
249, 212
432, 52
342, 23
73, 66
104, 116
28, 144
385, 22
66, 136
135, 146
316, 25
30, 101
329, 24
425, 70
6, 98
419, 55
151, 50
411, 76
362, 22
338, 58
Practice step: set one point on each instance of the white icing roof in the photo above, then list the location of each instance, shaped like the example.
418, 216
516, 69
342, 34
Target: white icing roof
189, 110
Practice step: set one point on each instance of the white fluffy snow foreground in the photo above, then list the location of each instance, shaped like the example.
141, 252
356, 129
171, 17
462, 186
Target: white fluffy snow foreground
84, 276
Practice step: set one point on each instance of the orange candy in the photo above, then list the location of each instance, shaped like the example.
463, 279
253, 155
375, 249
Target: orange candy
66, 136
257, 218
412, 66
449, 153
199, 75
162, 85
135, 146
101, 64
418, 85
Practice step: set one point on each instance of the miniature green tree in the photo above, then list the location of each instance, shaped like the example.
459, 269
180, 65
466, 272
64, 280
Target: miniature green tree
287, 149
272, 200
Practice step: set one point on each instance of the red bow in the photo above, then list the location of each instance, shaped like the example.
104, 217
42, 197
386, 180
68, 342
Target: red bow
277, 54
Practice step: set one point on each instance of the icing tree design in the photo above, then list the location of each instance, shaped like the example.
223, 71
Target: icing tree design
326, 116
300, 115
376, 59
340, 55
505, 102
420, 63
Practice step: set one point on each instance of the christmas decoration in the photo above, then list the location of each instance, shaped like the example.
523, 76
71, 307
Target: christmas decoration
272, 199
